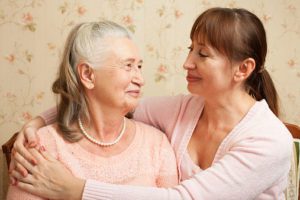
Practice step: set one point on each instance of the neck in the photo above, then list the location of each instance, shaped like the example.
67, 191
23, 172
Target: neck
227, 111
105, 123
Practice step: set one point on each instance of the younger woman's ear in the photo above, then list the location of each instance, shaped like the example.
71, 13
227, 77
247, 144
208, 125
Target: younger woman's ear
86, 75
244, 70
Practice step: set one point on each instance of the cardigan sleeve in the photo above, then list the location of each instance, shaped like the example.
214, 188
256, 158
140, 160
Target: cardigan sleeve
151, 110
160, 112
247, 170
49, 116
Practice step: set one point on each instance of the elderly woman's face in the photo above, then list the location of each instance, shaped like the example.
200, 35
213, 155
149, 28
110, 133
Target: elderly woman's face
118, 80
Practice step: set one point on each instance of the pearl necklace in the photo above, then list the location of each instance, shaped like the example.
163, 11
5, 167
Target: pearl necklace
104, 144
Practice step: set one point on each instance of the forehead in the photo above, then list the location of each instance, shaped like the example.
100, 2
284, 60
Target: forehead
200, 39
123, 49
202, 44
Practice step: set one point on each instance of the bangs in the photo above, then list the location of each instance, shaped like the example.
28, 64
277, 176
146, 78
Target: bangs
216, 29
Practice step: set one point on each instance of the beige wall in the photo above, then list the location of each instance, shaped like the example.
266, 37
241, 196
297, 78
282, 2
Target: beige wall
32, 33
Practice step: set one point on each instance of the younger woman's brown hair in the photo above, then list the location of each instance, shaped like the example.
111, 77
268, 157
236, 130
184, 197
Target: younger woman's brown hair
239, 34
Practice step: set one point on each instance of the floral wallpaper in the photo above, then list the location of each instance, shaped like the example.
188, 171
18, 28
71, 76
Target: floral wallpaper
33, 32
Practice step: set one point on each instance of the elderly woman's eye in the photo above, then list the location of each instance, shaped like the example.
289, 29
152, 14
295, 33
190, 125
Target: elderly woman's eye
128, 66
140, 66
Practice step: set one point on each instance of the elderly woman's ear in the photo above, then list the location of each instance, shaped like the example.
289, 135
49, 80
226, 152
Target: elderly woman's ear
86, 75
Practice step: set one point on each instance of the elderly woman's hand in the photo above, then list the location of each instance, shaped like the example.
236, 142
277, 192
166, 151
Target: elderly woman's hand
48, 178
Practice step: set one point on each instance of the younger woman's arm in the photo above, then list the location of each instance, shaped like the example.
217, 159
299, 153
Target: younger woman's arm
251, 167
27, 137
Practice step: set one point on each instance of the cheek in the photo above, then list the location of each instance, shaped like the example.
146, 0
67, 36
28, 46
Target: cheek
124, 79
120, 81
222, 80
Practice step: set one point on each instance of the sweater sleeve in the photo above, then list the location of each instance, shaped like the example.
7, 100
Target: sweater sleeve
249, 168
49, 116
15, 193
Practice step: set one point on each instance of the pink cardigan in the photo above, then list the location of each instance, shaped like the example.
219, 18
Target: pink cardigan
148, 161
252, 162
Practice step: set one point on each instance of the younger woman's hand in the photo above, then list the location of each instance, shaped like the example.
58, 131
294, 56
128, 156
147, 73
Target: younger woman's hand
27, 137
48, 178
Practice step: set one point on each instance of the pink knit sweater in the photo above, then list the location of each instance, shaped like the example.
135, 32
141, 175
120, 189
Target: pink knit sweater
149, 160
252, 162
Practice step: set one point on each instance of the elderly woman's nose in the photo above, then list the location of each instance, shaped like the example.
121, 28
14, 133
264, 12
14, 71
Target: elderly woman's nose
138, 78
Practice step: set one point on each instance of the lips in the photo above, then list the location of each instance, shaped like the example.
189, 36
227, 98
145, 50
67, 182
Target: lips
134, 93
191, 78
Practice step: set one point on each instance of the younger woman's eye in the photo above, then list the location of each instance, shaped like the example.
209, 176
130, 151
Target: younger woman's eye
202, 54
190, 48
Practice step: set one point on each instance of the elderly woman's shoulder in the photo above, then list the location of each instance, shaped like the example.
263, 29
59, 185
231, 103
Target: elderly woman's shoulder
149, 132
171, 98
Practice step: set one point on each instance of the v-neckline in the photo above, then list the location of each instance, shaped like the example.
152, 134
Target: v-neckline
233, 132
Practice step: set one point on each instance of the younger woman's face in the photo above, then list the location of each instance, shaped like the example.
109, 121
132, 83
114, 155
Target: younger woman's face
209, 73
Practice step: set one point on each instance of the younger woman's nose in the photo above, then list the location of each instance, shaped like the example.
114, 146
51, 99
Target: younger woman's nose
189, 63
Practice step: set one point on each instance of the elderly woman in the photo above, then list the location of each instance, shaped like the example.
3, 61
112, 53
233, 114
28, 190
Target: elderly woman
99, 82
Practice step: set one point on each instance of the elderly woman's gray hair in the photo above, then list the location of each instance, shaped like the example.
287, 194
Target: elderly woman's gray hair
86, 42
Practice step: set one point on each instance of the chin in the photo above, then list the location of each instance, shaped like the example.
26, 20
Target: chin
193, 90
131, 105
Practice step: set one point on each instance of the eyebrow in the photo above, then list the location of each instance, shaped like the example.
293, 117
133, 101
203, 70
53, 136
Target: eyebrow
132, 60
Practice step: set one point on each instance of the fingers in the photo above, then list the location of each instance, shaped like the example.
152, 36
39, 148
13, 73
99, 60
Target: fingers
24, 183
42, 154
20, 148
11, 165
20, 178
28, 187
37, 154
30, 130
46, 154
30, 134
22, 165
21, 169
